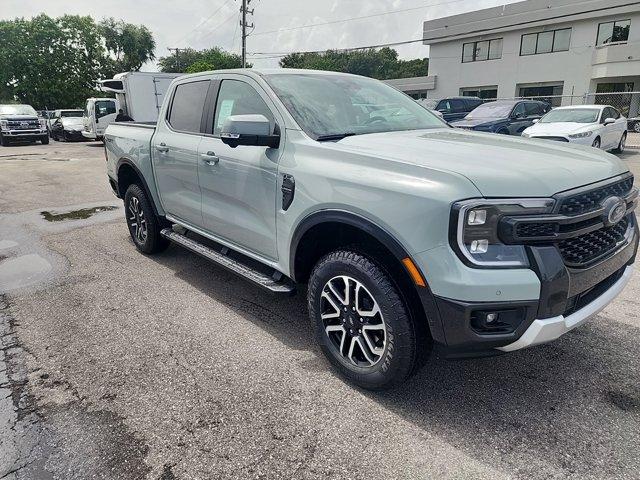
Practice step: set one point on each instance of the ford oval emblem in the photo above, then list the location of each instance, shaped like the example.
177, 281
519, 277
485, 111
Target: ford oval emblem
615, 208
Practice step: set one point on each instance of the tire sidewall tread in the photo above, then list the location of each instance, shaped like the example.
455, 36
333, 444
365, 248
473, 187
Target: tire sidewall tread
399, 358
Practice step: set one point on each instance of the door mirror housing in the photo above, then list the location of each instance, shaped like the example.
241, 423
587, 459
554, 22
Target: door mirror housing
535, 120
251, 130
609, 121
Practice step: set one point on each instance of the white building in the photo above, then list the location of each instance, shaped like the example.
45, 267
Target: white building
537, 48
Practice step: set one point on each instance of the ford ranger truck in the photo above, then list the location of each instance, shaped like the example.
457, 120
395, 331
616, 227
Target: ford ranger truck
21, 122
408, 233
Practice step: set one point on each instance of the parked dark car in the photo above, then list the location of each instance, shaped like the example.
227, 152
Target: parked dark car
633, 124
456, 108
509, 117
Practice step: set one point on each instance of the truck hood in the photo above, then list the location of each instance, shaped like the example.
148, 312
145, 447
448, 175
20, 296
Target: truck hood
18, 118
498, 165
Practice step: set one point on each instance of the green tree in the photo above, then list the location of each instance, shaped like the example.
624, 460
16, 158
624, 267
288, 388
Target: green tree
50, 62
376, 63
56, 62
130, 46
191, 61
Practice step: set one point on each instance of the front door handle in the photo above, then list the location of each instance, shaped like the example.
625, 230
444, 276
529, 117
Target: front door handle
210, 158
162, 148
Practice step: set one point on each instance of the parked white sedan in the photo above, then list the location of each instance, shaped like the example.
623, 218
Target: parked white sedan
601, 126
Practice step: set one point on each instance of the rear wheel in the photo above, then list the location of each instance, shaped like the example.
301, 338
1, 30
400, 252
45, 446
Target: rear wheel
144, 225
622, 144
362, 323
596, 143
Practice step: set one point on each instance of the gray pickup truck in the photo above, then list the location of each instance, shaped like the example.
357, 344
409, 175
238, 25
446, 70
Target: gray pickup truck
408, 233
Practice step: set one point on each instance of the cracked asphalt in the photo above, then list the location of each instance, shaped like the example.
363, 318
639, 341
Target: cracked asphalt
114, 365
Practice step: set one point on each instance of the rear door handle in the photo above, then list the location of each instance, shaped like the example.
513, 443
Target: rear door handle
162, 148
210, 158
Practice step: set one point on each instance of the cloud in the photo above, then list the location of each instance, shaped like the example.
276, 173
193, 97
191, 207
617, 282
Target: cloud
189, 23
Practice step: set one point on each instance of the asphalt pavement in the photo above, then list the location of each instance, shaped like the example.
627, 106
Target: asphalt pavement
115, 365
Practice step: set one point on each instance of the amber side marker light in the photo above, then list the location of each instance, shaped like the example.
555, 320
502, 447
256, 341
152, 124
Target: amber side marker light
413, 271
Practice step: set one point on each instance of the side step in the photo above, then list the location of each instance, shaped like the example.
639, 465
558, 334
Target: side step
276, 283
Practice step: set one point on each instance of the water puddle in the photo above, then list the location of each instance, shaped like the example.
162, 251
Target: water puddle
81, 214
18, 272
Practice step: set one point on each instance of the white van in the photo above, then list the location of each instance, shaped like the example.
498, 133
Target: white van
139, 94
98, 113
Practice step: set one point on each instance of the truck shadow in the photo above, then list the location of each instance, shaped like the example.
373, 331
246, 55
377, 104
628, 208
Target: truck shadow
573, 404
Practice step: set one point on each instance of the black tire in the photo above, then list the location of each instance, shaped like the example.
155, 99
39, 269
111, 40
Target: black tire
45, 140
4, 141
399, 359
636, 127
150, 241
621, 145
596, 143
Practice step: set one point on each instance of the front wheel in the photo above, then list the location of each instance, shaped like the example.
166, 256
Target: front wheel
362, 324
144, 225
4, 141
45, 139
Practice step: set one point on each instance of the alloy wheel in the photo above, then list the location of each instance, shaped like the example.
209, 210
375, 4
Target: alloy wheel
353, 321
137, 221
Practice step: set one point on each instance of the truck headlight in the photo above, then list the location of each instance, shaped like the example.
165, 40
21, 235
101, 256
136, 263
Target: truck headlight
475, 231
581, 135
4, 125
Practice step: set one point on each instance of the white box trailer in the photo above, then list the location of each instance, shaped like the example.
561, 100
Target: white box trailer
139, 94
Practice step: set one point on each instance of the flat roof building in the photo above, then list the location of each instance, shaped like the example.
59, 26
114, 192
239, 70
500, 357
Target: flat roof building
538, 48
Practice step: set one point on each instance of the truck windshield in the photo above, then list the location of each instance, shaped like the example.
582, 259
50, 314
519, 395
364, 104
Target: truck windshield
574, 115
329, 107
17, 110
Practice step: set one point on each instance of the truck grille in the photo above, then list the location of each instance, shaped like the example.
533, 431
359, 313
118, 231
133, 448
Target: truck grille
588, 201
23, 124
581, 250
541, 229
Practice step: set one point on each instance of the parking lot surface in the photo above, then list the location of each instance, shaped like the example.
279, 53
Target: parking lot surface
115, 365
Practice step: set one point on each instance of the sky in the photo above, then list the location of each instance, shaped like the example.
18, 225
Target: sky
280, 25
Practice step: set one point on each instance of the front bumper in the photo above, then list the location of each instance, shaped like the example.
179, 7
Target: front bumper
24, 133
549, 329
566, 297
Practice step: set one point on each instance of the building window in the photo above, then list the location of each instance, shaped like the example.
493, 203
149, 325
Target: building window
545, 42
484, 50
486, 93
613, 32
552, 94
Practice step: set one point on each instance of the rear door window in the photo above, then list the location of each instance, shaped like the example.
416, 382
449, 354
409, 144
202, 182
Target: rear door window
187, 106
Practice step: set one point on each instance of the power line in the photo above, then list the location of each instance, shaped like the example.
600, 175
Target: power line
363, 17
203, 22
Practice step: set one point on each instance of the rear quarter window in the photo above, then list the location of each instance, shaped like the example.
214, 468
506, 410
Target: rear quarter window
187, 106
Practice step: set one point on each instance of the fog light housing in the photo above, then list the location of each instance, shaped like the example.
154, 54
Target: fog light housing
497, 322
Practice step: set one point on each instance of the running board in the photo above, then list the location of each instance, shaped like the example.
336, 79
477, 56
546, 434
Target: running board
277, 283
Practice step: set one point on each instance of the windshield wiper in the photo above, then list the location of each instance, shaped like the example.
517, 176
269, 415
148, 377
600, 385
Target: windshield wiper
334, 136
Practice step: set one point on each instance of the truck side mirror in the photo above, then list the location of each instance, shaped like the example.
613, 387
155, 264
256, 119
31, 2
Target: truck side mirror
253, 130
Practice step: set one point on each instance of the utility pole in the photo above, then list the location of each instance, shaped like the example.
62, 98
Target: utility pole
177, 50
244, 25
